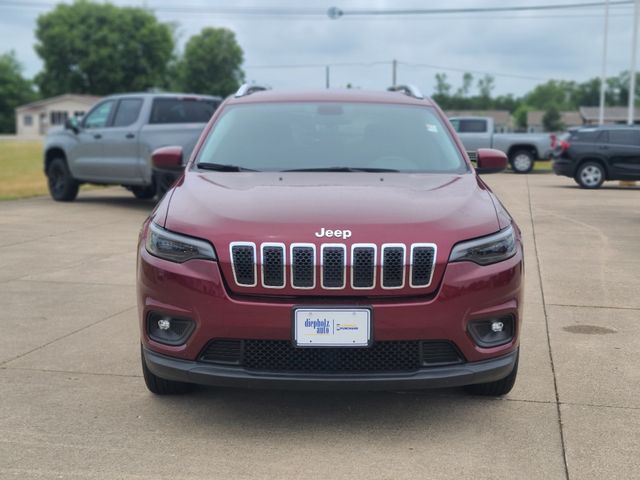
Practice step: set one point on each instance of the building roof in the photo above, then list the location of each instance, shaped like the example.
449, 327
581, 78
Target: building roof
500, 117
88, 99
569, 118
611, 114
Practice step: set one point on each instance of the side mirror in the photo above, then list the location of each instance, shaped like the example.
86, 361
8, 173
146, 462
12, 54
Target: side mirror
71, 123
490, 160
167, 158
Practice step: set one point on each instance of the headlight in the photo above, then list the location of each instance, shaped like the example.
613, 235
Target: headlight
176, 248
487, 250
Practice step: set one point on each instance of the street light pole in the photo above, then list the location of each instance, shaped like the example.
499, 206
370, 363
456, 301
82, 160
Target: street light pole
394, 72
632, 70
603, 76
327, 76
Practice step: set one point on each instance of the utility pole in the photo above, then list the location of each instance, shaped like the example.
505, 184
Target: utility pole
327, 76
603, 76
394, 72
632, 71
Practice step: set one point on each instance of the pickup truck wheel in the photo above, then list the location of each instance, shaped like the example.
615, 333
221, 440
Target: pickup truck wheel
522, 161
161, 386
62, 186
497, 388
144, 193
590, 175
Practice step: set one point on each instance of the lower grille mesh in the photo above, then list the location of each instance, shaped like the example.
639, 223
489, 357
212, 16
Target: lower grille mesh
282, 356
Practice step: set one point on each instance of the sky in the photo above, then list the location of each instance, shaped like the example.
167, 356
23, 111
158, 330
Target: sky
521, 49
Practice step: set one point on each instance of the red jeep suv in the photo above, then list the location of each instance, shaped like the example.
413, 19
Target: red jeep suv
330, 240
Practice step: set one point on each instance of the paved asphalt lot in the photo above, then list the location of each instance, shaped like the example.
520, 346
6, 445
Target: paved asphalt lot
73, 403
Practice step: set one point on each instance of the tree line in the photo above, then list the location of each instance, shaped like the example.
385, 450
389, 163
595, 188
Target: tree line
100, 49
552, 97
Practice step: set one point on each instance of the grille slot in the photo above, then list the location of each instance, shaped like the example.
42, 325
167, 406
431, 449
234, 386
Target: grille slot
243, 256
283, 356
273, 265
303, 272
363, 266
333, 266
439, 353
393, 265
223, 351
422, 261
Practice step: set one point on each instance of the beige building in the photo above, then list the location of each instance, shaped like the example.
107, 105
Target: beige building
34, 119
568, 119
501, 118
591, 115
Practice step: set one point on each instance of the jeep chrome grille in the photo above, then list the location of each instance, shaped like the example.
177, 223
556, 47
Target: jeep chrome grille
399, 265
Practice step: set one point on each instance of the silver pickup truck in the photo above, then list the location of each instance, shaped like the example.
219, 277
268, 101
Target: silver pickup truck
112, 143
522, 149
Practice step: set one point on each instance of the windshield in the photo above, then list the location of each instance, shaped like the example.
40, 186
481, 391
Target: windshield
324, 136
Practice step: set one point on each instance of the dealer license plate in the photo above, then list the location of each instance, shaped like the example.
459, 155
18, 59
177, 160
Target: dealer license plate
339, 327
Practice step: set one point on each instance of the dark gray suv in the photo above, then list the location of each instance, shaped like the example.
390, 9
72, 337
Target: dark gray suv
592, 155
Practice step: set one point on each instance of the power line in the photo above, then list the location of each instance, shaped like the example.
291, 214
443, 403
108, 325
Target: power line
390, 62
335, 12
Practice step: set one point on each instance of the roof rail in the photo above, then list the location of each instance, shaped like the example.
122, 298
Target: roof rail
410, 90
247, 89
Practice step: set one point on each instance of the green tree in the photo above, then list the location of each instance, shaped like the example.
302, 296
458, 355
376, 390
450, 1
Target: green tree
520, 115
443, 87
467, 81
15, 90
211, 63
486, 85
551, 120
99, 48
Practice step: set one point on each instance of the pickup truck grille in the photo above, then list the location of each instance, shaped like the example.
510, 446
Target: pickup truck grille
333, 265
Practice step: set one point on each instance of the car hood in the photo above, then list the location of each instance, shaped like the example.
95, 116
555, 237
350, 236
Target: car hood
288, 207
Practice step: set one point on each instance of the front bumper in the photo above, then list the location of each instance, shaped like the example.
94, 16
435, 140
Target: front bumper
434, 377
196, 290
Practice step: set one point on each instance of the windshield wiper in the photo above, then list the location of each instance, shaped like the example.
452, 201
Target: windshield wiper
342, 169
221, 167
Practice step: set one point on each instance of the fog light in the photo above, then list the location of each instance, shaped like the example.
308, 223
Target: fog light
169, 330
492, 332
164, 324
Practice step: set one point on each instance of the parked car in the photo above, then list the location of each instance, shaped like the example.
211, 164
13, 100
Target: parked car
522, 149
595, 154
330, 239
112, 143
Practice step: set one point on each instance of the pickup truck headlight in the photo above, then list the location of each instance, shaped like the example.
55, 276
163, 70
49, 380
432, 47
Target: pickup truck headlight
487, 250
175, 247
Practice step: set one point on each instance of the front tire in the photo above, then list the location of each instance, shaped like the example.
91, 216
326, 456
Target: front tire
161, 386
62, 186
497, 388
522, 161
590, 175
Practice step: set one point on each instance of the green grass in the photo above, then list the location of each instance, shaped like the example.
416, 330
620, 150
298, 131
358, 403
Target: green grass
543, 166
21, 172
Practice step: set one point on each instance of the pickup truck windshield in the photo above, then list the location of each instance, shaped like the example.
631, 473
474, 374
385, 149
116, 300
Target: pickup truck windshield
344, 137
